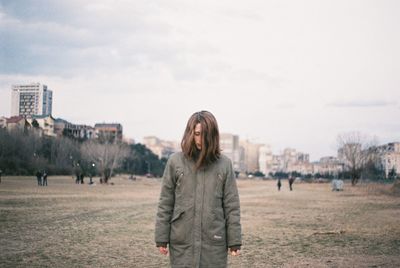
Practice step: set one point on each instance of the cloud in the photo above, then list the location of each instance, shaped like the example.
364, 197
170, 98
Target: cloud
246, 75
86, 38
82, 38
286, 105
361, 103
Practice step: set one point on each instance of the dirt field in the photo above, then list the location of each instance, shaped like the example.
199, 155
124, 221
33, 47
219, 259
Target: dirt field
69, 225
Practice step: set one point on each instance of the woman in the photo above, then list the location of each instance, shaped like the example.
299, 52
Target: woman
198, 212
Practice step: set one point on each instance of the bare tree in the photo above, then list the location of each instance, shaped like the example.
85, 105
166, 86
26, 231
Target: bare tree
106, 155
356, 151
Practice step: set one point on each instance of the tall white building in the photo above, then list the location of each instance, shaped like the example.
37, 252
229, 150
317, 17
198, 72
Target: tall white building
230, 147
31, 99
328, 165
251, 155
390, 157
265, 159
290, 160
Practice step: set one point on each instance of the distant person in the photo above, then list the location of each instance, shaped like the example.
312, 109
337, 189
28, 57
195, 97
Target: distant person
0, 174
39, 178
198, 218
44, 182
279, 184
81, 178
291, 180
78, 178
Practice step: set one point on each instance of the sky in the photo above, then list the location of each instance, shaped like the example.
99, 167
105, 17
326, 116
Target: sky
284, 73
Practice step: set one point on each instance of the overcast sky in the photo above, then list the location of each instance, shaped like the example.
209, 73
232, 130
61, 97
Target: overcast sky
285, 73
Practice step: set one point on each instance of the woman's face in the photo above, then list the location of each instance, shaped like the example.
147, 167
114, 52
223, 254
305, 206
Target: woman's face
197, 136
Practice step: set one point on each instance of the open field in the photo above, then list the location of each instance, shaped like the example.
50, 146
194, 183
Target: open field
69, 225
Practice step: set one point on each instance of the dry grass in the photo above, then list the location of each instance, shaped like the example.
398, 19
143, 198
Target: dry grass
68, 225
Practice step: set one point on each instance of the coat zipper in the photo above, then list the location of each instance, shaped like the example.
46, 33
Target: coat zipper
178, 183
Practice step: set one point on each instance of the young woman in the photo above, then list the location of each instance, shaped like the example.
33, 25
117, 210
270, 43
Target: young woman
198, 212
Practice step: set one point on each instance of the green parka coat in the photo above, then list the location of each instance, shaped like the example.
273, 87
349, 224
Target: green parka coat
198, 212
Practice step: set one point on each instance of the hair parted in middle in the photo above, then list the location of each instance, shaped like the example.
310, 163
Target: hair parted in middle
210, 149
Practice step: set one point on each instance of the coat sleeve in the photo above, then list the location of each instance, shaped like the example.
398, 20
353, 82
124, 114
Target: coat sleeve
232, 209
165, 205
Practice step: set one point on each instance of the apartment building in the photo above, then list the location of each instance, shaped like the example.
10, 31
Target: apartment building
230, 147
109, 131
17, 122
162, 148
64, 128
31, 99
265, 162
289, 161
250, 157
389, 155
328, 165
45, 122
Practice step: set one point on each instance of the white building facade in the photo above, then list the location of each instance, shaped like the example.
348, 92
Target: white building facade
289, 161
265, 160
390, 157
31, 99
250, 156
328, 165
46, 123
230, 147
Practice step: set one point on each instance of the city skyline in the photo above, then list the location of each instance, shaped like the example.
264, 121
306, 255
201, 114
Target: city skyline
284, 73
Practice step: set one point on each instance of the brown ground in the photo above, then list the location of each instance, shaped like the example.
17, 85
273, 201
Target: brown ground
68, 225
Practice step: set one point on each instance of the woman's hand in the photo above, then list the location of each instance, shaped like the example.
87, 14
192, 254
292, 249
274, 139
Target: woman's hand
163, 250
235, 252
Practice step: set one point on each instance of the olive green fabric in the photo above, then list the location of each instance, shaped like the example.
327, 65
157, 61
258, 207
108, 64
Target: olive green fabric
198, 212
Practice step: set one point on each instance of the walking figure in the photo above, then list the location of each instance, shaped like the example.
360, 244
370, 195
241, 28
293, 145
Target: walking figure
279, 184
39, 178
44, 183
291, 180
198, 214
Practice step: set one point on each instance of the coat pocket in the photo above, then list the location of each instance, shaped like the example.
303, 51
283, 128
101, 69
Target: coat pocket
176, 215
181, 227
218, 196
217, 228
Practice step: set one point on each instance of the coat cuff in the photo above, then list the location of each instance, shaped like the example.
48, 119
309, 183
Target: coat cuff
161, 244
235, 247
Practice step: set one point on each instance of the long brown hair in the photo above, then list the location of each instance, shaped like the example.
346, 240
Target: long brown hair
210, 150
